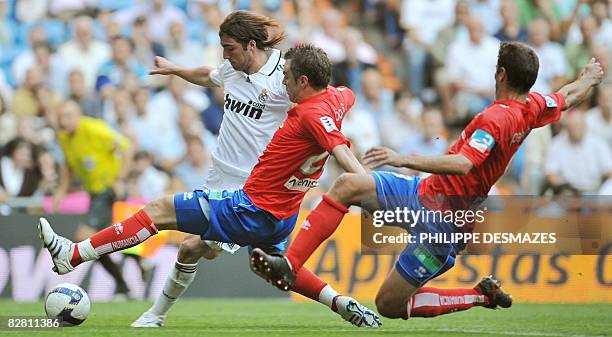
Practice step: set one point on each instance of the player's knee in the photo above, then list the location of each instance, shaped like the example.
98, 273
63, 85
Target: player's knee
193, 248
346, 188
161, 210
388, 306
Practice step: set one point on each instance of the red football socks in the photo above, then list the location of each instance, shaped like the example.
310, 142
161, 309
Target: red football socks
430, 302
119, 236
318, 226
308, 284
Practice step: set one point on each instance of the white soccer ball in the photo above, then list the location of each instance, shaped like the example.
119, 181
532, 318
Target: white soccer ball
69, 303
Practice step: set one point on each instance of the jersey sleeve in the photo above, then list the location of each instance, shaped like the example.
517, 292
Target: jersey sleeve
482, 140
548, 108
217, 75
323, 129
348, 96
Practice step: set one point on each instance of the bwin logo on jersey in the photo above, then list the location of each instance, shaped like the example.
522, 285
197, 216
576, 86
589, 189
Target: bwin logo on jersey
251, 109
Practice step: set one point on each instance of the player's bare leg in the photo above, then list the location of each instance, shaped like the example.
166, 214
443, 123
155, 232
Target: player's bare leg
156, 215
348, 189
397, 298
190, 251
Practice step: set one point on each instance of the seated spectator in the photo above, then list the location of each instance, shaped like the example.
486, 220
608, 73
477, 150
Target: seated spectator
553, 67
469, 88
8, 123
359, 57
577, 160
489, 11
453, 32
19, 177
212, 116
194, 168
599, 118
431, 141
83, 52
530, 10
182, 51
578, 55
78, 92
33, 98
122, 62
145, 49
152, 183
49, 172
157, 11
511, 29
330, 35
6, 34
402, 124
24, 60
422, 21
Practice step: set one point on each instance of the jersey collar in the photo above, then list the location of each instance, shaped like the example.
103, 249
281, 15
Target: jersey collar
273, 61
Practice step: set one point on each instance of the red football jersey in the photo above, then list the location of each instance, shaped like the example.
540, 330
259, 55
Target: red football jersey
293, 161
490, 140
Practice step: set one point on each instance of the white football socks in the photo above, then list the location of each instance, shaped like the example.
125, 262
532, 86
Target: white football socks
327, 295
179, 279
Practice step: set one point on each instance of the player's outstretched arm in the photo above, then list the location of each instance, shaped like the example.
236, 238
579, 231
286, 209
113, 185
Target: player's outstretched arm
449, 164
198, 75
347, 160
577, 91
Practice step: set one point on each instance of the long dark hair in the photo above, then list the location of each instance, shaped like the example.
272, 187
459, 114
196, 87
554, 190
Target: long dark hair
244, 26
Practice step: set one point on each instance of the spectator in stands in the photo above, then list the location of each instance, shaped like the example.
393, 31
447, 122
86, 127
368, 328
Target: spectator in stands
359, 56
49, 172
431, 140
24, 60
33, 98
180, 50
489, 11
577, 161
330, 35
101, 158
469, 87
157, 11
31, 11
80, 94
599, 118
511, 29
212, 116
145, 49
553, 67
193, 169
455, 31
19, 177
152, 183
6, 33
122, 62
578, 55
54, 71
8, 123
83, 52
402, 124
530, 10
422, 21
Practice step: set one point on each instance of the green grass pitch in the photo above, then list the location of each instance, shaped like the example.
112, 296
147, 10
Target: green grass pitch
282, 317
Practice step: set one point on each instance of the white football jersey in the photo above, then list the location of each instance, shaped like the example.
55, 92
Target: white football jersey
255, 106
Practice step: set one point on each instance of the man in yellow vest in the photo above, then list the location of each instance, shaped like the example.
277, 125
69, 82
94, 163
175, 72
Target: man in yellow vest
100, 157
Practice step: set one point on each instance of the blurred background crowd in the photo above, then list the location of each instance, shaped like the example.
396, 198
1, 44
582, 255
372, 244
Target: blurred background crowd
421, 70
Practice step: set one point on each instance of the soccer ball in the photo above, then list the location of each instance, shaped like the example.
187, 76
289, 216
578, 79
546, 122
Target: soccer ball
69, 303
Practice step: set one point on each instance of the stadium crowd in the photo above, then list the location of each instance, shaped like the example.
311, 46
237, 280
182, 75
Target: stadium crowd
420, 68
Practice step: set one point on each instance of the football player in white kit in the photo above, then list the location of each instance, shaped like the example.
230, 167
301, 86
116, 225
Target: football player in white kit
256, 104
